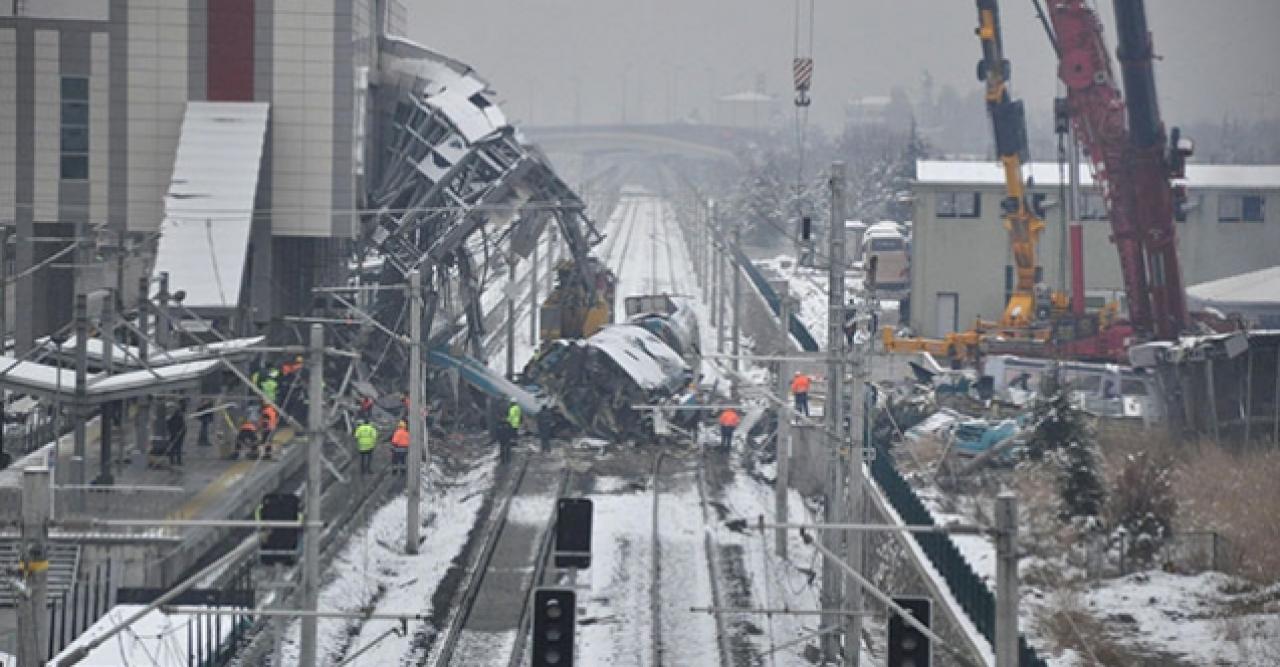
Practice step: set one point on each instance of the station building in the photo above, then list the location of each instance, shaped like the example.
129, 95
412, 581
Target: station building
244, 120
962, 266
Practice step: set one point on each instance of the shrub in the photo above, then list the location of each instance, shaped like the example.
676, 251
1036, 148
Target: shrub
1142, 502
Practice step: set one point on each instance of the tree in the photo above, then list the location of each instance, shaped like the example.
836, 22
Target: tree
1143, 504
1064, 435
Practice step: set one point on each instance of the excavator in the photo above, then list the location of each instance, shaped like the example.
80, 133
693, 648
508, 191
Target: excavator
1134, 170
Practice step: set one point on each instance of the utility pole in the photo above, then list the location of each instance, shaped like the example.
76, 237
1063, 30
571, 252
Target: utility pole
142, 417
512, 286
313, 509
783, 482
720, 293
1006, 580
33, 613
533, 296
4, 287
856, 542
158, 430
108, 327
78, 475
711, 266
831, 578
737, 298
417, 421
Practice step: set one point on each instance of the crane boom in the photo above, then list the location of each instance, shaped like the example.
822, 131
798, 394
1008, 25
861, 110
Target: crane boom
1128, 161
1008, 121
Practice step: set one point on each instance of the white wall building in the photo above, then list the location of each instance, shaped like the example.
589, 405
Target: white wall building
961, 263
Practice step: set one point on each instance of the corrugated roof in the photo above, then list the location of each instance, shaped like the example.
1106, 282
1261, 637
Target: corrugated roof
984, 172
204, 239
1261, 287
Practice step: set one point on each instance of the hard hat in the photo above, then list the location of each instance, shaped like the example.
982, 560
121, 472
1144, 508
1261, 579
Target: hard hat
274, 372
298, 358
403, 424
798, 373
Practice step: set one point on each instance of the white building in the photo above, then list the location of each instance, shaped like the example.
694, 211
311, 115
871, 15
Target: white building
93, 96
961, 263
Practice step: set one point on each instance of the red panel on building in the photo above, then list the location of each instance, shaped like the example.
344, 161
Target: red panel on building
230, 35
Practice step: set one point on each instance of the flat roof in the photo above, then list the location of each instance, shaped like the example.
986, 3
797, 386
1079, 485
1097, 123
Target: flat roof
988, 172
208, 211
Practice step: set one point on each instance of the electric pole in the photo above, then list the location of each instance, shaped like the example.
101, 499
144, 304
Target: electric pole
737, 298
417, 420
533, 296
713, 274
142, 416
312, 510
783, 483
33, 613
720, 280
834, 412
512, 286
1006, 580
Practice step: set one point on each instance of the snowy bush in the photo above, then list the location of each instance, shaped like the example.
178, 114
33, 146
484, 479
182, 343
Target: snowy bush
1064, 435
1142, 504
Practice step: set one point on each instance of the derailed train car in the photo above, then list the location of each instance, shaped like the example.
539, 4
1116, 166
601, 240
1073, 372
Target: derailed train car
595, 383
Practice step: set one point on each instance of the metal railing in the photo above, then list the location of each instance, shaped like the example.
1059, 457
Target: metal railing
801, 333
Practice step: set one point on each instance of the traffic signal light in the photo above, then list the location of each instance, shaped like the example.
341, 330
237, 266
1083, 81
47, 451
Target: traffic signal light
281, 544
908, 647
554, 612
573, 532
873, 266
806, 228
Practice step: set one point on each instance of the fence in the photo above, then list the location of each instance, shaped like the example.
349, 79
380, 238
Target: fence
1189, 552
802, 335
967, 587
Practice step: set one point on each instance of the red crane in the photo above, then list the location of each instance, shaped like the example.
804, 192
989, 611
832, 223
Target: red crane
1134, 164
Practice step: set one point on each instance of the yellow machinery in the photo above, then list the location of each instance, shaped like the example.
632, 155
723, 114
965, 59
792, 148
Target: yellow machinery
960, 347
577, 308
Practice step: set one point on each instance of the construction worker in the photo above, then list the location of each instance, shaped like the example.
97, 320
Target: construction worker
269, 385
205, 411
247, 438
800, 392
546, 426
366, 409
366, 440
267, 427
176, 425
510, 430
729, 421
290, 373
400, 447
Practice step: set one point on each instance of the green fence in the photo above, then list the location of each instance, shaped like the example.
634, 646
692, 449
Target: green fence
967, 587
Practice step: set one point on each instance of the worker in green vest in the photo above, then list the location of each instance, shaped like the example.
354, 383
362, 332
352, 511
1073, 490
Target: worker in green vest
269, 386
510, 430
366, 440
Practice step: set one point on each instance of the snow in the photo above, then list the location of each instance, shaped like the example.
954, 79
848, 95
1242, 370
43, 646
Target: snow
204, 239
642, 355
155, 639
372, 569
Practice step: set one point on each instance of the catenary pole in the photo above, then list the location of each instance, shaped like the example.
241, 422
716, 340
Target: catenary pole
834, 414
737, 298
721, 270
311, 544
511, 315
783, 482
33, 615
1006, 580
416, 418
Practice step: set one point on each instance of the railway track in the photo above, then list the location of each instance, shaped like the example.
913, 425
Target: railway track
511, 560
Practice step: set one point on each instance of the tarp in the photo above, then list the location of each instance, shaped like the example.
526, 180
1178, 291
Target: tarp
1254, 295
204, 238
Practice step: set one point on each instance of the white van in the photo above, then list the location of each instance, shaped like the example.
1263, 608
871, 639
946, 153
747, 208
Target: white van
886, 242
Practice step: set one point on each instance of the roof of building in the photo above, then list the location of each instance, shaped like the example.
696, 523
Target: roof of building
989, 172
1255, 288
208, 211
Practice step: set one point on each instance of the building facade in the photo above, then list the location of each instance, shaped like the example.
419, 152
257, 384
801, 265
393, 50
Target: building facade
93, 99
961, 264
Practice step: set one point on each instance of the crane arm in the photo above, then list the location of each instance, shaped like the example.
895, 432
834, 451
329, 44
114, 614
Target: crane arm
1008, 121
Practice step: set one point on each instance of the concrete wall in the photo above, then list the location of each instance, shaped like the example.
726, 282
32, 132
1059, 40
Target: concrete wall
968, 256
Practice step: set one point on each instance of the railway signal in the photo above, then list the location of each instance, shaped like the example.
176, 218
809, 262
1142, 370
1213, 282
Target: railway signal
555, 611
573, 532
281, 544
908, 647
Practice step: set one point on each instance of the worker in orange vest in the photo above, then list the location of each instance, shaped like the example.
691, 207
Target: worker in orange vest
729, 421
247, 438
800, 392
267, 426
399, 447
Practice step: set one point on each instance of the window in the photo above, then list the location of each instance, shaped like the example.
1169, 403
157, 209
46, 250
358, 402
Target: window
1241, 208
1092, 206
75, 128
958, 204
886, 245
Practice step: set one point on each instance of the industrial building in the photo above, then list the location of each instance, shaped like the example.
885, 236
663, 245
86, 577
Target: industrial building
120, 121
1231, 225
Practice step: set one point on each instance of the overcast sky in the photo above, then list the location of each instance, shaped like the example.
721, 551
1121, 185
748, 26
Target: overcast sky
1220, 57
